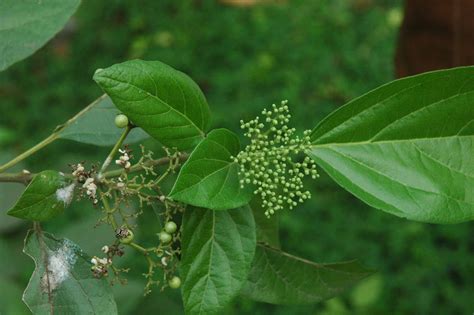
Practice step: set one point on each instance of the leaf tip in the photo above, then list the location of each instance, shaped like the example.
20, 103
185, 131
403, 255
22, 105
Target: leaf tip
99, 76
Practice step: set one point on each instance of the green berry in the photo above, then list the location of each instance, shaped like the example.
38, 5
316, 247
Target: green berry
175, 282
121, 121
165, 237
170, 227
127, 239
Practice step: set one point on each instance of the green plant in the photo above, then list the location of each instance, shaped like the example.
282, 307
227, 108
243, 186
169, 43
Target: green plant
381, 147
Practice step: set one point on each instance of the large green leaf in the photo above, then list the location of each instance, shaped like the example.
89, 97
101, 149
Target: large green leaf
47, 195
62, 282
209, 178
280, 278
217, 250
27, 25
96, 125
165, 102
268, 228
407, 147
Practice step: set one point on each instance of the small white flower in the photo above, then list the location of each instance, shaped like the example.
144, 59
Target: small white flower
124, 159
91, 189
105, 249
79, 169
88, 182
103, 261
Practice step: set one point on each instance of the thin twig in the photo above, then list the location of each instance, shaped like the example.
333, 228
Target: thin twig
114, 151
25, 178
21, 177
139, 167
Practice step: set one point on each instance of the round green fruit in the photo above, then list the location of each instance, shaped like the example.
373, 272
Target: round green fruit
175, 282
170, 227
165, 237
121, 121
127, 239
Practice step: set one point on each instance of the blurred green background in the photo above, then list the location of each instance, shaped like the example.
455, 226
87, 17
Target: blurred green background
317, 54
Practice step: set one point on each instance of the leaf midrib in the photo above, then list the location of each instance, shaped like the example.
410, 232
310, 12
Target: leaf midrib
368, 142
361, 163
283, 279
317, 268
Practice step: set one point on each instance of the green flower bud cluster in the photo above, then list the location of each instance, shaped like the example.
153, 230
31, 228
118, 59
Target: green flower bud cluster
269, 161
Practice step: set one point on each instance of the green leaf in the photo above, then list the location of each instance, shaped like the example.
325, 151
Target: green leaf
217, 250
407, 147
280, 278
95, 125
62, 282
164, 102
47, 195
27, 25
268, 229
209, 179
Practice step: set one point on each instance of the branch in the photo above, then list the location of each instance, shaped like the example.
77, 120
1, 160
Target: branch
25, 178
21, 177
112, 153
138, 167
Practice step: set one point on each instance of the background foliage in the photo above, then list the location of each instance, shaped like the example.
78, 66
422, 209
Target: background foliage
317, 54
